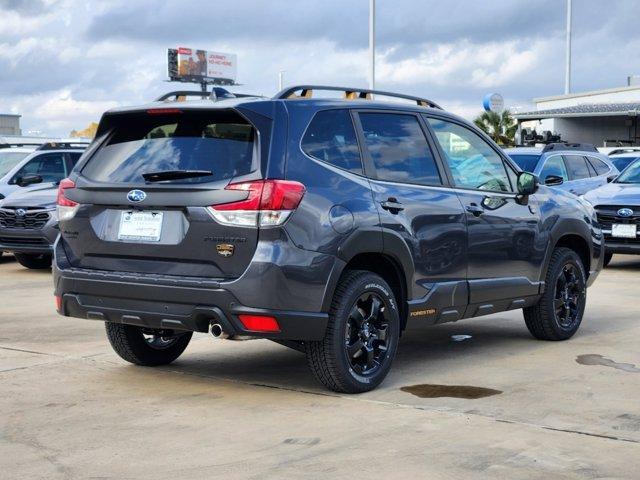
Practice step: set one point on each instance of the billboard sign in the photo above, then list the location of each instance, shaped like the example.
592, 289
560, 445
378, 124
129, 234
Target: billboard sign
191, 65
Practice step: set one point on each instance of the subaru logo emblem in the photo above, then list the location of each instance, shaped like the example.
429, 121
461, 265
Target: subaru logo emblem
21, 212
136, 196
625, 212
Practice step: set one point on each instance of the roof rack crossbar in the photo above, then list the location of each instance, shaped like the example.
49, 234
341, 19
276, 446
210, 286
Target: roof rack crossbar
350, 93
587, 147
62, 145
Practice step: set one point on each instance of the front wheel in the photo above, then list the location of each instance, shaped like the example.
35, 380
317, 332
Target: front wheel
34, 262
558, 313
146, 347
361, 337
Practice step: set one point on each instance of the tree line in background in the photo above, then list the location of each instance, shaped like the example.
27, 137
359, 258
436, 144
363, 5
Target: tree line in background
501, 127
88, 132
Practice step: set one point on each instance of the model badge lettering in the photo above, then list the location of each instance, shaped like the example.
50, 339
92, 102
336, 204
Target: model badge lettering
136, 196
225, 249
421, 313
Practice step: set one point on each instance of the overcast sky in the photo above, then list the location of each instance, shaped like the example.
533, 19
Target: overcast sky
63, 62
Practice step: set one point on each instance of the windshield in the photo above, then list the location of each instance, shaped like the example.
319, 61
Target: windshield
218, 144
8, 160
622, 162
526, 163
631, 174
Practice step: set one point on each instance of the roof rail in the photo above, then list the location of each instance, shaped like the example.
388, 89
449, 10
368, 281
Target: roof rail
63, 145
20, 144
587, 147
350, 93
216, 93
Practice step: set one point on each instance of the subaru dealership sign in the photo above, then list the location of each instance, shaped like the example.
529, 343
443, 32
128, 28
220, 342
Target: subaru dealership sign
493, 102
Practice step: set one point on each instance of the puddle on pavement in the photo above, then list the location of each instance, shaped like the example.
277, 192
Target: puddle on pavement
454, 391
594, 359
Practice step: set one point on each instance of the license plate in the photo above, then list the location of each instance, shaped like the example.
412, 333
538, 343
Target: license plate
140, 226
623, 231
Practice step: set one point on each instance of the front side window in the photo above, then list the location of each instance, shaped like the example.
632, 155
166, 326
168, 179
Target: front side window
554, 166
331, 138
577, 165
399, 149
219, 145
473, 163
48, 166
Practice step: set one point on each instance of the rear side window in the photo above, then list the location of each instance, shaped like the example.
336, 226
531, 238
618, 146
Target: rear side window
577, 166
220, 143
399, 149
600, 167
331, 138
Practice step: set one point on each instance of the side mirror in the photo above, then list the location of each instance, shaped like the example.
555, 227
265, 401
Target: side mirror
527, 183
553, 180
29, 179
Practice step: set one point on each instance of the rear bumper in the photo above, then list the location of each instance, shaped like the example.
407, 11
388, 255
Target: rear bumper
171, 302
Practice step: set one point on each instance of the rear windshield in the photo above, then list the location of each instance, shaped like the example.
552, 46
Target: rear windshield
220, 143
8, 160
527, 163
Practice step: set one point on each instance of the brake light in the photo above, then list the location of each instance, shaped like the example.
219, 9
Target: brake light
269, 203
66, 208
259, 323
164, 111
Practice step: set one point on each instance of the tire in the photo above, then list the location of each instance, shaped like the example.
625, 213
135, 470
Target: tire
337, 361
34, 262
558, 313
130, 343
607, 258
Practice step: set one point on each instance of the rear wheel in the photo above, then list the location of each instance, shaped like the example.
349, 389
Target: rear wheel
35, 262
607, 258
558, 313
146, 347
361, 338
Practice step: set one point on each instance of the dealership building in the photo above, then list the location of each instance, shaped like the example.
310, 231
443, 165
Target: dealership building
600, 117
10, 124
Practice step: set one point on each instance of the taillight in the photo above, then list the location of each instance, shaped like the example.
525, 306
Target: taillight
66, 208
269, 203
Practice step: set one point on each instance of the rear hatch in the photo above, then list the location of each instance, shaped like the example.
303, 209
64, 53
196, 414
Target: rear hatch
143, 194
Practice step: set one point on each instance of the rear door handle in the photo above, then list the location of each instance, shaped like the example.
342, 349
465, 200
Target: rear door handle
474, 209
392, 205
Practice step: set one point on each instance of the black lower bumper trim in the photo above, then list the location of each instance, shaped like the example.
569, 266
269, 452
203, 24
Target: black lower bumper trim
293, 325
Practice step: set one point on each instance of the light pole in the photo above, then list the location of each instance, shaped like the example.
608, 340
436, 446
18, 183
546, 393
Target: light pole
372, 44
281, 79
567, 72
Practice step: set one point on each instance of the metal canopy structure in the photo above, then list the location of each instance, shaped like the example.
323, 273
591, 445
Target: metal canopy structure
586, 110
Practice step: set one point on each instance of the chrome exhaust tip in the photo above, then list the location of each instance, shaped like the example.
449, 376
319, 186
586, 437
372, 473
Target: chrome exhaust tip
217, 331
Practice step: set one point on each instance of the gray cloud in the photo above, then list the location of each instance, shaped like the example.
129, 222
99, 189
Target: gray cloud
115, 51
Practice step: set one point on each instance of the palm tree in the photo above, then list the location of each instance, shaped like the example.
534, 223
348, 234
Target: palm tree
501, 127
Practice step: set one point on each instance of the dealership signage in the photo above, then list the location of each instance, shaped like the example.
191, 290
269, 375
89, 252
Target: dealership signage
202, 66
493, 102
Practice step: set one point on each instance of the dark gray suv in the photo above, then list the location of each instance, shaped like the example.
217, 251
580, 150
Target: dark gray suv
322, 224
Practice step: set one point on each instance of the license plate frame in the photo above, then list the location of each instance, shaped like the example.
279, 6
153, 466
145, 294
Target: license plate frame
624, 230
140, 226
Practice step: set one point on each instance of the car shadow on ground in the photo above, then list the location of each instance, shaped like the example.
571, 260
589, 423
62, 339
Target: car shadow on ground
626, 262
5, 258
422, 350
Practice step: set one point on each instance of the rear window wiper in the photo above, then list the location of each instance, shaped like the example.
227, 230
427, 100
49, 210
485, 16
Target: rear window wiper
175, 175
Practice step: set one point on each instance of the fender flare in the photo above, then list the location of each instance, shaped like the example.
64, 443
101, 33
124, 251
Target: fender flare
371, 240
